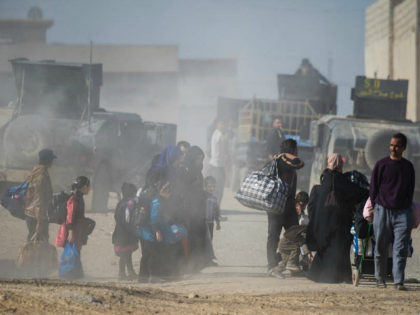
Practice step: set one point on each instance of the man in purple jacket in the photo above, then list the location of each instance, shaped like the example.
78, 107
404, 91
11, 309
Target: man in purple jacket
391, 191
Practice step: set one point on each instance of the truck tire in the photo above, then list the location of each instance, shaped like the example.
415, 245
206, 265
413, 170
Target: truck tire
101, 188
23, 138
377, 147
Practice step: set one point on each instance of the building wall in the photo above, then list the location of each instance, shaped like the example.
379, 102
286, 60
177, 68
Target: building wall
377, 39
127, 59
405, 52
391, 46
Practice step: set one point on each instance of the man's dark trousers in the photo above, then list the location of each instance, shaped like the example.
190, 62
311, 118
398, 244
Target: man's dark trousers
275, 224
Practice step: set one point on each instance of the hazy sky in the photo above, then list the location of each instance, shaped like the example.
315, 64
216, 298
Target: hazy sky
266, 36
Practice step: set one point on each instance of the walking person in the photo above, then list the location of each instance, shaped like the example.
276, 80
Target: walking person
124, 237
391, 192
38, 196
287, 164
77, 227
275, 137
218, 158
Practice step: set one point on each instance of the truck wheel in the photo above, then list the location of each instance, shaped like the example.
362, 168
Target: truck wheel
101, 188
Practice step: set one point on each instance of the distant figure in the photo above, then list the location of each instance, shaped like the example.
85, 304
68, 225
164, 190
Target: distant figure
391, 191
275, 137
38, 196
124, 237
218, 158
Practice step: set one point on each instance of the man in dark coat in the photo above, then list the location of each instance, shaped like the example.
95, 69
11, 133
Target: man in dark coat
287, 164
275, 138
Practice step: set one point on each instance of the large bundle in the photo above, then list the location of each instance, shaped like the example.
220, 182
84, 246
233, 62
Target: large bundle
37, 259
262, 191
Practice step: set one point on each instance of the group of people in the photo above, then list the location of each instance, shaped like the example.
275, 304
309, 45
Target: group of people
38, 200
321, 237
173, 216
174, 213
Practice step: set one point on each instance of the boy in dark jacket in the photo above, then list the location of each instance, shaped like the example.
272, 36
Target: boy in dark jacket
292, 244
124, 237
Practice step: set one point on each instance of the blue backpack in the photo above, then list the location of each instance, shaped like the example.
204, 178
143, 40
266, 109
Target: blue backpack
13, 200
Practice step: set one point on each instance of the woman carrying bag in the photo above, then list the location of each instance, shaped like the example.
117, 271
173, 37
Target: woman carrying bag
73, 233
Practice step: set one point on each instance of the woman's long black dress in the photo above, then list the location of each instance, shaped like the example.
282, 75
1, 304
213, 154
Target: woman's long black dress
329, 229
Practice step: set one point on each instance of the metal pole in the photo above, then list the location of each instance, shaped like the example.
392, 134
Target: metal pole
90, 88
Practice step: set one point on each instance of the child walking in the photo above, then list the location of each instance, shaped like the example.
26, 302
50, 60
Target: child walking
124, 237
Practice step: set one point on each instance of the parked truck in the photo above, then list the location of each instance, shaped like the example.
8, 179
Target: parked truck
363, 138
58, 106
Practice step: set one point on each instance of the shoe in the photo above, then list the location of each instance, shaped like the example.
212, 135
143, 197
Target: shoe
275, 273
380, 284
132, 276
293, 268
281, 266
400, 287
212, 263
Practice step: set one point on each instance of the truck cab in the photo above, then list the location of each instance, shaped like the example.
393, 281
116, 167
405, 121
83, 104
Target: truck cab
58, 107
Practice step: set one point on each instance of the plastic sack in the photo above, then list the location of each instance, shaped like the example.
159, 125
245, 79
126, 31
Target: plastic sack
368, 210
70, 264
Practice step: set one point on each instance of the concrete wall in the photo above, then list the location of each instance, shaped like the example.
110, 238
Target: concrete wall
377, 39
391, 46
127, 59
405, 52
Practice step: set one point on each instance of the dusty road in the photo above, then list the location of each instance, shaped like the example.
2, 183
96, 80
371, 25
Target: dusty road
238, 286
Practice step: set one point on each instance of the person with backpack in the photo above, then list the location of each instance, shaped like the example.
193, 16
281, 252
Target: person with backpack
329, 226
124, 237
38, 196
156, 237
77, 227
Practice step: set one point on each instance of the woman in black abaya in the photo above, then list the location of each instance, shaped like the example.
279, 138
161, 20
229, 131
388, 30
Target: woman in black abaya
330, 224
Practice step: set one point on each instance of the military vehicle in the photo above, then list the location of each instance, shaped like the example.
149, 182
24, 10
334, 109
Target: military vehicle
58, 107
304, 96
362, 139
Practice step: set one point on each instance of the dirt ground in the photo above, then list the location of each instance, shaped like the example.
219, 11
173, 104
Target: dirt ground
239, 284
